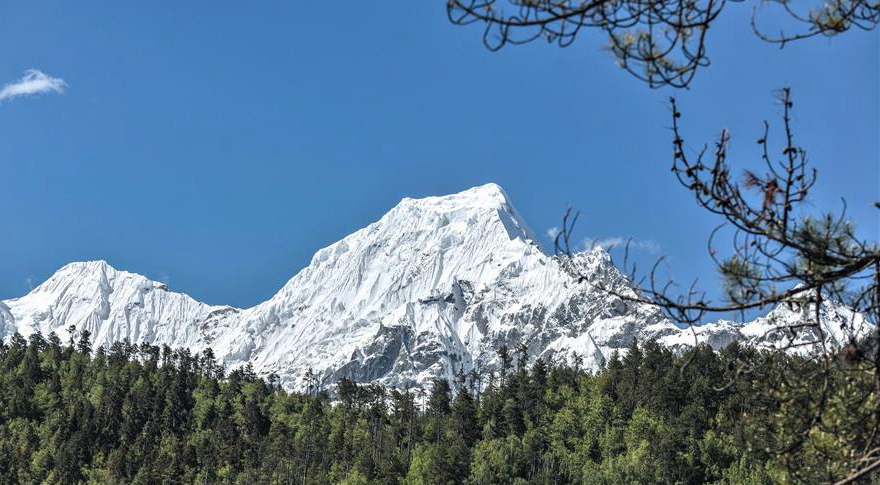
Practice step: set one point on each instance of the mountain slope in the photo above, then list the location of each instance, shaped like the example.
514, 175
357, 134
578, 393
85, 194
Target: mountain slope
435, 286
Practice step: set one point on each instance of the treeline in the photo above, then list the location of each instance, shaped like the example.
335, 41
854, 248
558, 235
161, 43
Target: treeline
148, 415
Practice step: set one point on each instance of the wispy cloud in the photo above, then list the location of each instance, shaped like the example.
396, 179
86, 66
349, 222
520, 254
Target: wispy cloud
608, 243
34, 82
620, 242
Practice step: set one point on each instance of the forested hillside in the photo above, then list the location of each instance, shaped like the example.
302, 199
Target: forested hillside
149, 415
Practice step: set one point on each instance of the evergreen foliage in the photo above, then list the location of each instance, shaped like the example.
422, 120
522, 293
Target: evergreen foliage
147, 415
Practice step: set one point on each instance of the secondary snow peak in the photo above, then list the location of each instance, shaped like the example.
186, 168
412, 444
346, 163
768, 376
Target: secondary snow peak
78, 276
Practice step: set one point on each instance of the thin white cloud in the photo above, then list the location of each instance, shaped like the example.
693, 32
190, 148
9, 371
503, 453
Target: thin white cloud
608, 243
621, 242
34, 82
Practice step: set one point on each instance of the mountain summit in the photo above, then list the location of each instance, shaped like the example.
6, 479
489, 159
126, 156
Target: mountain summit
434, 287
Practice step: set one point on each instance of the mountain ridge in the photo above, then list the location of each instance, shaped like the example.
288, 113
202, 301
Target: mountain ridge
434, 287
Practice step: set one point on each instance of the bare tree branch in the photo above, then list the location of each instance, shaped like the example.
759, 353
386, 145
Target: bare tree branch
662, 42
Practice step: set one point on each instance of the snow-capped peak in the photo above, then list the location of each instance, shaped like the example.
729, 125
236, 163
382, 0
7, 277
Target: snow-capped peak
432, 288
490, 196
488, 200
112, 305
75, 274
91, 280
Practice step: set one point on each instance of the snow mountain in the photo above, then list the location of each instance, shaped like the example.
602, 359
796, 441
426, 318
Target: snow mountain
435, 286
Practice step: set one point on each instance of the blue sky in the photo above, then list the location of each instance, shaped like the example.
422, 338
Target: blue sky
218, 145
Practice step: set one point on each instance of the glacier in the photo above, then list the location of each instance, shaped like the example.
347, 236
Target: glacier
432, 288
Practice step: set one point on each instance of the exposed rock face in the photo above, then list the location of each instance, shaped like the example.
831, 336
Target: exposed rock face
436, 285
